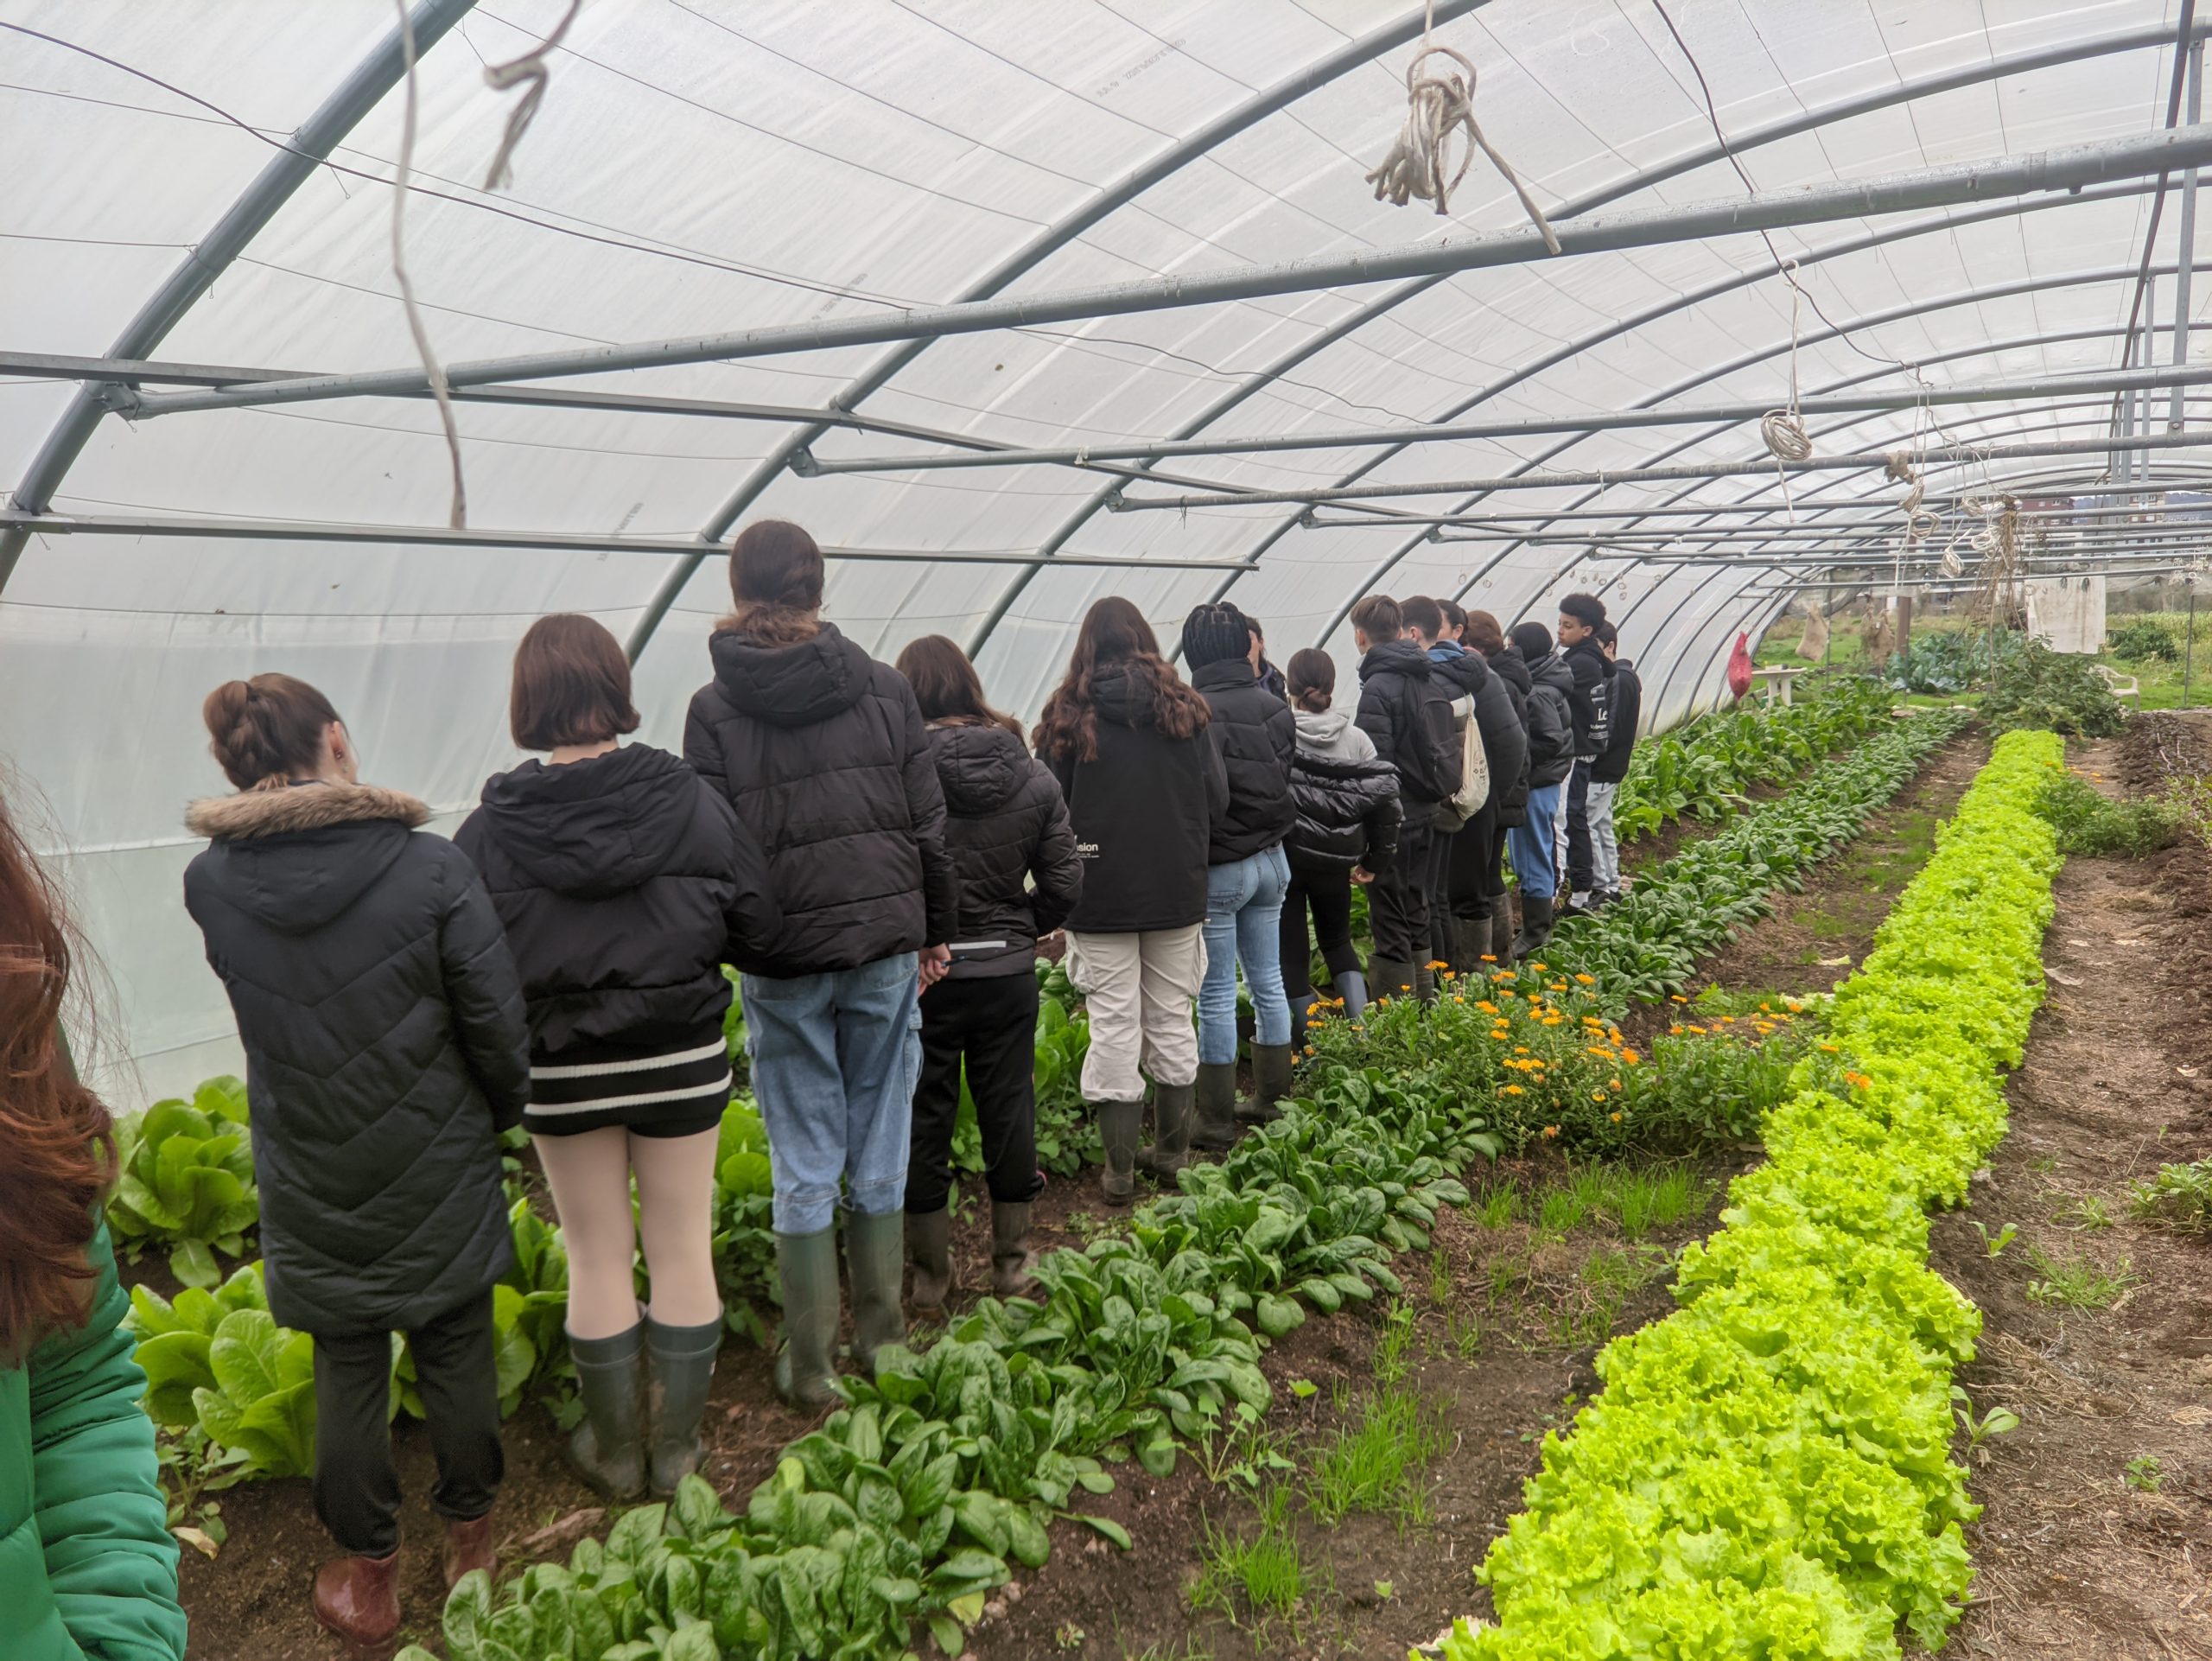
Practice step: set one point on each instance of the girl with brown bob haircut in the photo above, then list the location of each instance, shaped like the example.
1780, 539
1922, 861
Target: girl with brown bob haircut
1129, 744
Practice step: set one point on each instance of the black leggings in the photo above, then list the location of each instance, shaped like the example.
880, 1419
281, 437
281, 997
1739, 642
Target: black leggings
990, 1020
1327, 895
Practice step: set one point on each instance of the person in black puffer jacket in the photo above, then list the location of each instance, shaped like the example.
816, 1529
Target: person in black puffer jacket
1407, 709
1625, 712
1007, 826
1347, 830
386, 1049
1145, 786
1480, 634
1247, 875
821, 750
622, 876
1534, 843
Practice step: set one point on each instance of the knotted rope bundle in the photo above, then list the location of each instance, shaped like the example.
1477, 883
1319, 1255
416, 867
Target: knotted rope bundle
531, 68
1439, 104
1783, 430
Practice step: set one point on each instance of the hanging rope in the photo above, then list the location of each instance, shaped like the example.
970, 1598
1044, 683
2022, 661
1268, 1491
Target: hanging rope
431, 367
1437, 105
531, 67
1783, 430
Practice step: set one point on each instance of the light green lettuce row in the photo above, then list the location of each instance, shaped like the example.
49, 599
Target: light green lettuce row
1766, 1473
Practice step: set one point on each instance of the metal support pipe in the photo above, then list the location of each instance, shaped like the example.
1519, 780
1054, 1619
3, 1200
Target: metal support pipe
2187, 244
423, 535
2064, 168
1586, 420
294, 163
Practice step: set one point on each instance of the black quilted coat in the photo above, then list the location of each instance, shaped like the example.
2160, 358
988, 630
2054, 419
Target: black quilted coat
385, 1048
1348, 814
1006, 824
1512, 676
822, 751
1253, 731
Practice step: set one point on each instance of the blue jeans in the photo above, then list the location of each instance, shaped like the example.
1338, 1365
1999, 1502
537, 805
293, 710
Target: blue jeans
835, 1060
1244, 921
1529, 846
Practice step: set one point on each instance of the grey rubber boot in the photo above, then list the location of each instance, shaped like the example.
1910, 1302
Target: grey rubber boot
929, 1253
1392, 978
1216, 1107
1501, 932
1351, 987
806, 1265
1010, 1276
680, 1368
608, 1448
1425, 984
1271, 1065
1470, 940
1120, 1124
1171, 1138
874, 1248
1536, 925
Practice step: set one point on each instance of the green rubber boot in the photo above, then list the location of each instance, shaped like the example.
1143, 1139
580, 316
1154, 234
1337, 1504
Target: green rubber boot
681, 1370
929, 1253
1171, 1141
1271, 1065
608, 1448
875, 1250
1120, 1125
806, 1264
1215, 1099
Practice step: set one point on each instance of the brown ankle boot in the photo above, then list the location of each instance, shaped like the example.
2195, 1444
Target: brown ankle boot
358, 1598
468, 1545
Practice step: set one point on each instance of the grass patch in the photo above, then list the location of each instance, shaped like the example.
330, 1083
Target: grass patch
1374, 1464
1261, 1574
2077, 1281
2088, 823
1499, 1205
2179, 1198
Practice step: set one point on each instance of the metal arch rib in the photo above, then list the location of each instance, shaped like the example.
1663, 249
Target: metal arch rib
1353, 54
258, 203
1905, 91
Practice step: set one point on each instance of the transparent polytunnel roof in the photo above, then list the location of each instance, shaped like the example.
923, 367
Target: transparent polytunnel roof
701, 167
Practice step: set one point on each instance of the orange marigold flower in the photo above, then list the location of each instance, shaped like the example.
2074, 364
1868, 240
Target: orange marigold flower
1486, 1006
1538, 967
1551, 1130
1520, 1049
1829, 1048
1616, 1118
1613, 1083
1677, 1029
1513, 1089
1697, 1029
1587, 980
1676, 998
1631, 1057
1438, 963
1489, 957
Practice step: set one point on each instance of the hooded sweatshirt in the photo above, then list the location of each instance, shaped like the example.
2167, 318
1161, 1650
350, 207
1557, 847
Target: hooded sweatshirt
1407, 712
1551, 721
822, 751
386, 1045
623, 881
1006, 824
1624, 711
1143, 812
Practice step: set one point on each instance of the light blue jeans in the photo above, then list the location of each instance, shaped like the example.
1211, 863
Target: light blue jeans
1531, 845
1244, 922
835, 1060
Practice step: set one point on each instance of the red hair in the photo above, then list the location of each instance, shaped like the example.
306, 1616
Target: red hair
57, 1148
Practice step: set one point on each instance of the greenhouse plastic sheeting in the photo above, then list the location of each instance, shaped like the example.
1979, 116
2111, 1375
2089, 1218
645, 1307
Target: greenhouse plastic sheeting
707, 165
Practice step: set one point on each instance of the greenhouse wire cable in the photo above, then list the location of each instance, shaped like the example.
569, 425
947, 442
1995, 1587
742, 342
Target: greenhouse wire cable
431, 369
531, 69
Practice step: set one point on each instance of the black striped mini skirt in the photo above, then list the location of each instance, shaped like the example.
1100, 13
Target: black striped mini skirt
650, 1090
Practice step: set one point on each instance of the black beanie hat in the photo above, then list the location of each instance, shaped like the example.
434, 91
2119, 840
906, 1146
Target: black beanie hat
1215, 634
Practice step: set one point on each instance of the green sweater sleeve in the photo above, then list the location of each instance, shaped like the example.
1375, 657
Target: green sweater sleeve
101, 1519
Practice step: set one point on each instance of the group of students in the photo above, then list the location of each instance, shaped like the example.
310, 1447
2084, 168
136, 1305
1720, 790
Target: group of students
881, 855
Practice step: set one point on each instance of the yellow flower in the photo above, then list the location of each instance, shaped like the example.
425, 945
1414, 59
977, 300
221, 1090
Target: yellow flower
1489, 957
1792, 1005
1520, 1049
1677, 1029
1486, 1006
1597, 1095
1438, 963
1631, 1057
1513, 1089
1613, 1084
1551, 1020
1616, 1118
1538, 967
1676, 998
1830, 1048
1587, 980
1697, 1029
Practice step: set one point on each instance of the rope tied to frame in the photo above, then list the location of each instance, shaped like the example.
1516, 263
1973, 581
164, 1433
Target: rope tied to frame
1783, 430
432, 369
1897, 466
531, 68
1439, 104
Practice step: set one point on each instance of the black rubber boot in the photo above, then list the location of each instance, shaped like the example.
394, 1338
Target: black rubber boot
1470, 940
1215, 1113
929, 1253
1171, 1137
806, 1265
1536, 925
608, 1448
1392, 978
1271, 1065
1425, 984
874, 1248
1351, 987
1120, 1124
1010, 1276
681, 1369
1501, 933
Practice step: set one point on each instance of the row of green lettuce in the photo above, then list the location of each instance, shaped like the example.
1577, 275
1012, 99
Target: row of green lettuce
1767, 1471
947, 1468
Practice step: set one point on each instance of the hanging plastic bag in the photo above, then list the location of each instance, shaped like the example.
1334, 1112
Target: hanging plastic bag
1814, 646
1739, 668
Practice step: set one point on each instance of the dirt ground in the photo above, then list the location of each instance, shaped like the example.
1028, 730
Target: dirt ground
2073, 1559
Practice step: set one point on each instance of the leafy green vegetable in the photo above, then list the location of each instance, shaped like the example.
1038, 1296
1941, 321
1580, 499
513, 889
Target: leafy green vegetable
185, 1181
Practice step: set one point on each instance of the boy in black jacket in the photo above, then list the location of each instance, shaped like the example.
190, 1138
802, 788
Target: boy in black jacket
1580, 616
1625, 709
1406, 711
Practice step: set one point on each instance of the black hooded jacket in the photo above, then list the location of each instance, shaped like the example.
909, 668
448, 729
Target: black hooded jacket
1256, 735
1625, 709
1585, 662
1006, 823
821, 750
1406, 711
1551, 721
624, 881
385, 1044
1508, 669
1505, 743
1143, 812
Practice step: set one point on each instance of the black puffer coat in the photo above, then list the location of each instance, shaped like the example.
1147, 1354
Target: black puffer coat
1407, 712
624, 881
1505, 743
821, 750
1256, 737
1006, 823
1143, 813
1624, 711
1551, 722
385, 1048
1348, 814
1512, 675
